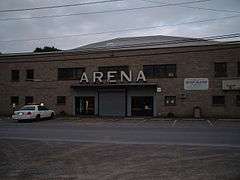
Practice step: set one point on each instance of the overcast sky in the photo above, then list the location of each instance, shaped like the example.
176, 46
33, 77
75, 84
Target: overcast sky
94, 23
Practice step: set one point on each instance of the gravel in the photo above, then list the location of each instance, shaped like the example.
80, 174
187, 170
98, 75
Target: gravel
20, 159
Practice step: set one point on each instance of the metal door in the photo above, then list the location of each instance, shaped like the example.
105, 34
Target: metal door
112, 103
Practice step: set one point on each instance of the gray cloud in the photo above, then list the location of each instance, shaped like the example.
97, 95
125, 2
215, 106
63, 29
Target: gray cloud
28, 29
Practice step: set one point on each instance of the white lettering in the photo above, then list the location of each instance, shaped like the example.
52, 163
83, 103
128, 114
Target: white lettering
141, 76
97, 76
84, 78
110, 75
126, 77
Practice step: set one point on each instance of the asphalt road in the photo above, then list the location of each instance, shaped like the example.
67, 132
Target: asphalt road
168, 133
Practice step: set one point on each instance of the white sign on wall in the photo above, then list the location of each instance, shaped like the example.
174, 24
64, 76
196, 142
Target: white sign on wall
196, 84
112, 77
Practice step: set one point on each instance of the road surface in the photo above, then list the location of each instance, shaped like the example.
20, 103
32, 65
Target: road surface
190, 133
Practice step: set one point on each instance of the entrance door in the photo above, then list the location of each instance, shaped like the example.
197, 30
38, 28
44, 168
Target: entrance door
142, 105
84, 105
112, 103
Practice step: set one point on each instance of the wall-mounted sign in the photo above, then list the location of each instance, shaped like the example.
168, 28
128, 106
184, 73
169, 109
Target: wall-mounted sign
196, 84
159, 89
111, 76
231, 84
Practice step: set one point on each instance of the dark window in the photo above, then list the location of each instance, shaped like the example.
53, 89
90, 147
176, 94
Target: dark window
28, 99
170, 101
221, 69
218, 100
105, 69
15, 75
61, 100
238, 100
15, 100
42, 108
70, 73
160, 71
29, 74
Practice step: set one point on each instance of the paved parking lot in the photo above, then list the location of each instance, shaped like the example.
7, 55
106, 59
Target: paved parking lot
119, 149
126, 132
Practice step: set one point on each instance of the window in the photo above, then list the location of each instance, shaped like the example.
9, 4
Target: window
70, 73
15, 100
170, 101
160, 71
218, 100
105, 69
29, 74
28, 108
61, 100
28, 99
42, 108
221, 69
238, 100
15, 75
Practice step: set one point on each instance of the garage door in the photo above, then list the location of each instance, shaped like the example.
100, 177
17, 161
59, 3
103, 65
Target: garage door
112, 103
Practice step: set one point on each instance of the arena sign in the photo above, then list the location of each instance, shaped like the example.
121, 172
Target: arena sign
111, 77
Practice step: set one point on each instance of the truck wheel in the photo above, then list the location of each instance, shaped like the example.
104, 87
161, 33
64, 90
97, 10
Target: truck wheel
52, 116
38, 118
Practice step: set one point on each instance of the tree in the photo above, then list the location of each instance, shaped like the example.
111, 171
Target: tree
46, 49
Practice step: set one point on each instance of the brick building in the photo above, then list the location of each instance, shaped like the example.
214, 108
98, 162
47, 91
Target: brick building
143, 76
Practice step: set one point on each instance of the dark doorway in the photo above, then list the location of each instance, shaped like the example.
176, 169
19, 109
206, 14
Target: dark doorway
142, 105
84, 105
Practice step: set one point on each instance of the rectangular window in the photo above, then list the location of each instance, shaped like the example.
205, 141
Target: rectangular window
218, 100
220, 69
15, 100
29, 74
160, 71
42, 108
70, 73
238, 100
170, 101
105, 69
15, 75
29, 100
61, 100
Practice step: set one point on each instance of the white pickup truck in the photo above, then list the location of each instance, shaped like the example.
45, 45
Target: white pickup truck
33, 112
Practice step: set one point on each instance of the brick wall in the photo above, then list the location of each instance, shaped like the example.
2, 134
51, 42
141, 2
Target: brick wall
192, 62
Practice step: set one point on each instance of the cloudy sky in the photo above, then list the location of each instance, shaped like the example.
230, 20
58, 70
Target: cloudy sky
24, 35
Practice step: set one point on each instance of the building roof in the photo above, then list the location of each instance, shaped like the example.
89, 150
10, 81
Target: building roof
132, 43
145, 42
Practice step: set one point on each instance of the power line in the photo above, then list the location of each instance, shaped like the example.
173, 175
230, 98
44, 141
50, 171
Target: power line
102, 12
123, 30
90, 51
199, 8
211, 9
59, 6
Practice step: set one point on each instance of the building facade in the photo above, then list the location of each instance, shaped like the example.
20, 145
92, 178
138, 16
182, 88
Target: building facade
183, 81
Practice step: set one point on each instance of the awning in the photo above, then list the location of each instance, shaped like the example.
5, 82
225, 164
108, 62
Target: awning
117, 85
